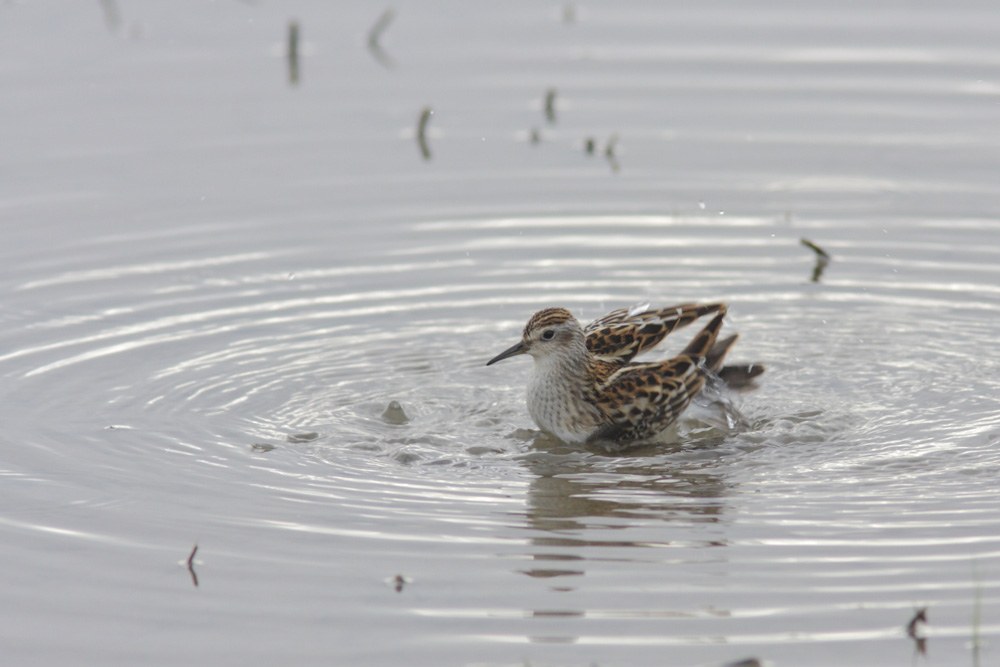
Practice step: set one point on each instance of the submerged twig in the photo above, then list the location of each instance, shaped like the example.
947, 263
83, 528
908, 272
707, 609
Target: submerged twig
550, 105
375, 34
913, 630
425, 117
815, 248
822, 259
920, 616
293, 52
609, 152
190, 566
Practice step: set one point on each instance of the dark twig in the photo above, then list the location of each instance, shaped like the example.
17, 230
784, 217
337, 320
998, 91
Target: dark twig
822, 259
190, 566
913, 630
609, 152
815, 248
293, 52
550, 105
375, 34
425, 117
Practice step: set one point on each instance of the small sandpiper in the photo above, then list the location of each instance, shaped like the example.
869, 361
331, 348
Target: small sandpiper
585, 388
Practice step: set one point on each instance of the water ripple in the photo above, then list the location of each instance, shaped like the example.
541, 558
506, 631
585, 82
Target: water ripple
865, 478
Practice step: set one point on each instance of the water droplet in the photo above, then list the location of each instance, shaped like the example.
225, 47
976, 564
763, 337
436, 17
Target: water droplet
701, 205
394, 414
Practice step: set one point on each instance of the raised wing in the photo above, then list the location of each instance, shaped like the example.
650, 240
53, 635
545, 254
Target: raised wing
623, 333
641, 400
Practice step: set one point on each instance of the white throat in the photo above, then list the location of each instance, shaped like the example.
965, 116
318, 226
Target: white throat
555, 397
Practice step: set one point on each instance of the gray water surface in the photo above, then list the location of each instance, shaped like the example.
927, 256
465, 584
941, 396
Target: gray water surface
216, 279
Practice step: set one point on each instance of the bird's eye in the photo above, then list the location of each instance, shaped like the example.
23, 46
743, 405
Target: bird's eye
548, 334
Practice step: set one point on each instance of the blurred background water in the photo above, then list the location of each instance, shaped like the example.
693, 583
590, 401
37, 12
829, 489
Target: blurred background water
222, 264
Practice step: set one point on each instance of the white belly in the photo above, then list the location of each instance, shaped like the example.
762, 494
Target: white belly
558, 410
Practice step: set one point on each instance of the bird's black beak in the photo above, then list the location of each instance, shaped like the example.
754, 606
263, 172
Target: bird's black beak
512, 351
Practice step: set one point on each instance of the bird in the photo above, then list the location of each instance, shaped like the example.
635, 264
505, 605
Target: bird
586, 388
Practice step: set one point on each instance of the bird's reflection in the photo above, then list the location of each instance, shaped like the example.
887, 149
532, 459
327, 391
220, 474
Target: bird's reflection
651, 496
579, 491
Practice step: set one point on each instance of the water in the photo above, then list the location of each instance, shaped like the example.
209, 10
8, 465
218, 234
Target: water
217, 280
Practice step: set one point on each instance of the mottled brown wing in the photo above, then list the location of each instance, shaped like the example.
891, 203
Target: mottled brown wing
623, 333
641, 400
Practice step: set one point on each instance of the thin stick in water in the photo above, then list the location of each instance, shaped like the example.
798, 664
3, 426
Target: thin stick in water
913, 630
815, 248
293, 52
190, 566
425, 117
550, 105
609, 152
822, 259
375, 34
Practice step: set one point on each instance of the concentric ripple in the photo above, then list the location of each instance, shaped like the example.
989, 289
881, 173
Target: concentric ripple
261, 384
246, 413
